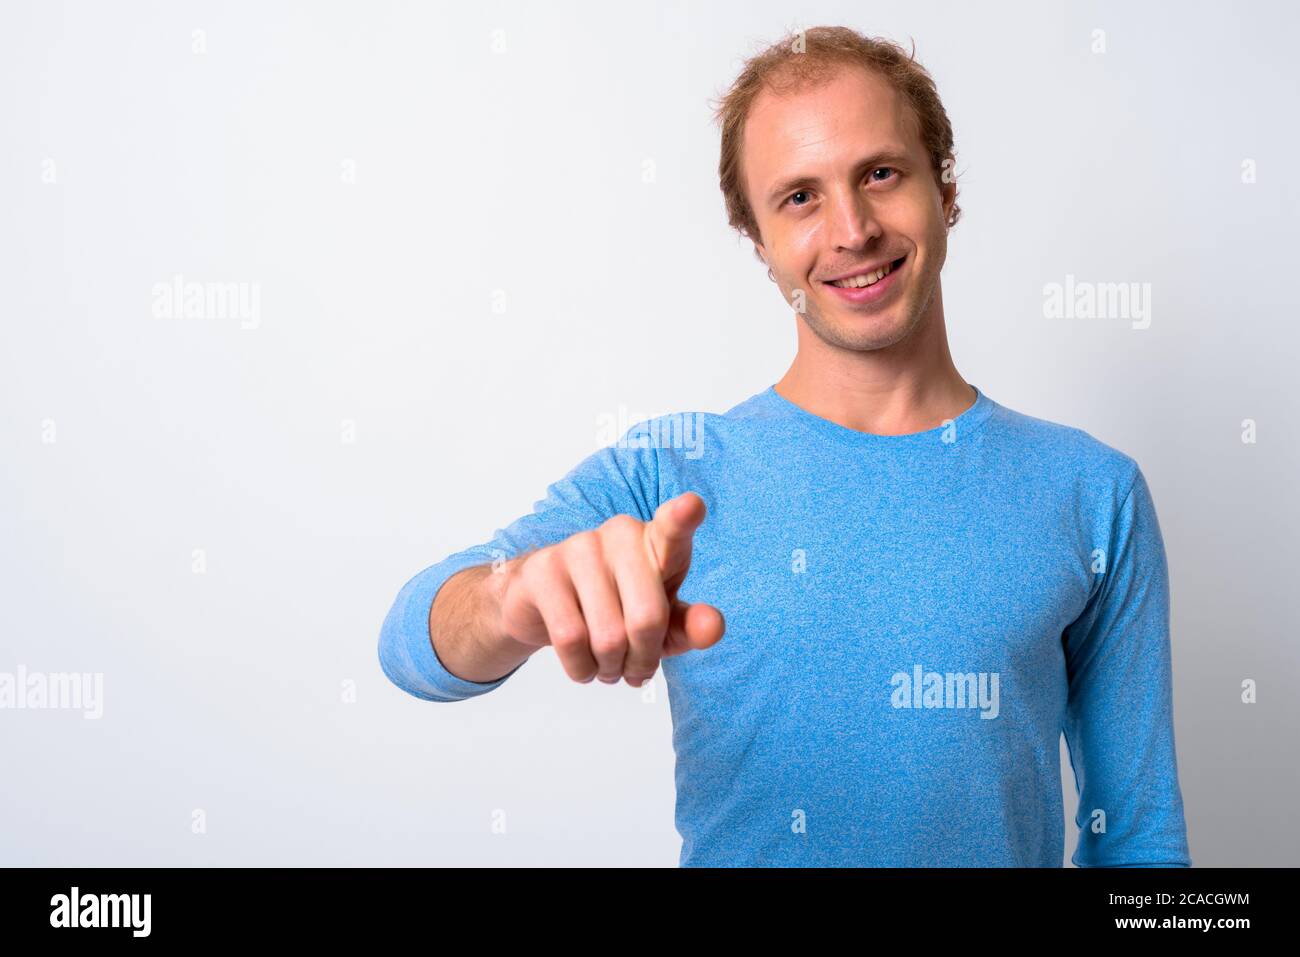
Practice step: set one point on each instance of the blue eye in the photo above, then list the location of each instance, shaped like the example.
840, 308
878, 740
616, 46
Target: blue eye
790, 200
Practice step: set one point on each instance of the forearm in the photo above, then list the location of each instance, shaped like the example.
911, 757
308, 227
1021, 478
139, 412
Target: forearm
465, 626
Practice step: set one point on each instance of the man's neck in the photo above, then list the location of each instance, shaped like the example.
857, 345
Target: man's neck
909, 387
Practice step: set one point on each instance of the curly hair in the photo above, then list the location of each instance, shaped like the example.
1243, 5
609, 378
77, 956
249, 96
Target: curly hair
808, 57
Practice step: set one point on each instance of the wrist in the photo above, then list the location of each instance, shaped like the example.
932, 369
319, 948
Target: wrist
494, 587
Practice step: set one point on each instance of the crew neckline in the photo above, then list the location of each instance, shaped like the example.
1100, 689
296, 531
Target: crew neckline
965, 423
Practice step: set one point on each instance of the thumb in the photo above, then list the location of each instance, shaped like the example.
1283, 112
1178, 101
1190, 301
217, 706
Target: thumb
670, 532
691, 628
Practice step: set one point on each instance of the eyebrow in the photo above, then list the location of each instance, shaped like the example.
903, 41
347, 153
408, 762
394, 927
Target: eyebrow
890, 156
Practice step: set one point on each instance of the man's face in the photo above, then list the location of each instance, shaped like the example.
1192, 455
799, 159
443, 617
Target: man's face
839, 182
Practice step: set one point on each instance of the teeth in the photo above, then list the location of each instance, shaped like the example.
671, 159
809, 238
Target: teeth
868, 279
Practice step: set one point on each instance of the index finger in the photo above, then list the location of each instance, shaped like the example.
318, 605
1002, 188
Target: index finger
670, 533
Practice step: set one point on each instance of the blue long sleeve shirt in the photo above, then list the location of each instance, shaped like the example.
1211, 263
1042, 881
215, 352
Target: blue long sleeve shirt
912, 623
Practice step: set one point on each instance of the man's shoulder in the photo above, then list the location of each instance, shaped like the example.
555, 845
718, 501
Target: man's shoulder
1066, 447
686, 421
660, 440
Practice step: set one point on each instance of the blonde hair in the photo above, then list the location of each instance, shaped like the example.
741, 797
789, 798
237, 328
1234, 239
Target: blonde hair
804, 58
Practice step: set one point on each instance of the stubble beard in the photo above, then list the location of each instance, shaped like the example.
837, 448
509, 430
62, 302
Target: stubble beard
873, 331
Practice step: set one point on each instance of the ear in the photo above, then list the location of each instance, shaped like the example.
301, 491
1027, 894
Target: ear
948, 192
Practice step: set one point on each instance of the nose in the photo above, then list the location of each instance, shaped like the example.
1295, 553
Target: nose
853, 223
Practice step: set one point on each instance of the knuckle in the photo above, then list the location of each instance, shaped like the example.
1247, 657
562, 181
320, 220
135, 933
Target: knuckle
622, 523
583, 543
568, 636
647, 623
609, 640
539, 564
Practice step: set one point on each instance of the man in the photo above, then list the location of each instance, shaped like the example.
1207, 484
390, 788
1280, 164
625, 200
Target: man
922, 588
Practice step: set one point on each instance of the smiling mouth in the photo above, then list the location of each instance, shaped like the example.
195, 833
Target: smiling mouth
867, 279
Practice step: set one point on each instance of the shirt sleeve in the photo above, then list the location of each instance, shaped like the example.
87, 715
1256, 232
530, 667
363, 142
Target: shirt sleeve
621, 478
1119, 723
